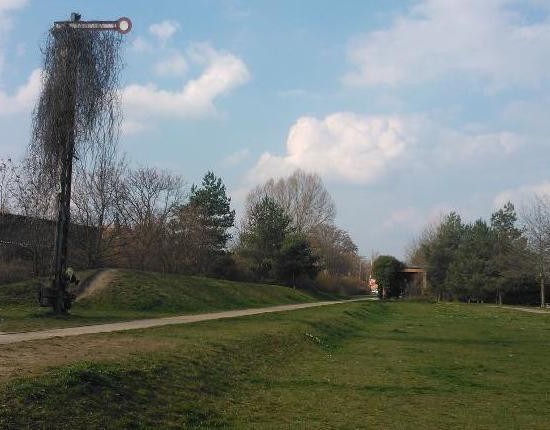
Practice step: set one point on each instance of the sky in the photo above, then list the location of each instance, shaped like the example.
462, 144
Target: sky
406, 109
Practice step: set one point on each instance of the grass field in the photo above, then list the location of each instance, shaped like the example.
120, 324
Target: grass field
134, 295
358, 365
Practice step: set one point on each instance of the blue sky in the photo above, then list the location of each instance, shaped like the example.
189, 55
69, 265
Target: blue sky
407, 109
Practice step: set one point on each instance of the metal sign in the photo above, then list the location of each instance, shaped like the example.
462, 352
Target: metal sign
122, 25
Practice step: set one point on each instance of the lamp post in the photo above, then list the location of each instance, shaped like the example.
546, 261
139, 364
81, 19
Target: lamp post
68, 127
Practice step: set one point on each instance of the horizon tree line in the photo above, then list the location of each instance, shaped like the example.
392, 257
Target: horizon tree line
503, 260
149, 219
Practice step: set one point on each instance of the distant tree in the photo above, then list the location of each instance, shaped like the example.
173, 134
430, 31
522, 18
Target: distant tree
217, 215
303, 197
336, 250
96, 191
471, 272
415, 250
8, 176
148, 200
34, 196
296, 260
387, 271
263, 234
485, 261
510, 258
190, 241
536, 218
440, 251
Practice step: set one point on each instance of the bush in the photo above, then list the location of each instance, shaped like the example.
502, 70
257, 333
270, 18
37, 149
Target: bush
340, 285
387, 271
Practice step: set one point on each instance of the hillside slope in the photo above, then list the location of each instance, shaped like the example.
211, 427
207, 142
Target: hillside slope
132, 294
168, 293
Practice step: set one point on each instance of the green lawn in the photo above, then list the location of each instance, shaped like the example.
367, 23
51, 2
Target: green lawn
141, 295
358, 365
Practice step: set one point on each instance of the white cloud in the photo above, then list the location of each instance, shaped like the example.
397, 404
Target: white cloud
521, 195
438, 37
175, 65
6, 23
449, 145
342, 145
236, 157
11, 4
25, 96
164, 30
361, 149
222, 73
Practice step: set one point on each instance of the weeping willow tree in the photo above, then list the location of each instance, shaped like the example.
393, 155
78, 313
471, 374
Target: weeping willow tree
78, 108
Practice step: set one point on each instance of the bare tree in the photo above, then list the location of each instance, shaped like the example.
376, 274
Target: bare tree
95, 194
536, 219
7, 178
336, 250
302, 195
34, 196
148, 200
190, 240
414, 251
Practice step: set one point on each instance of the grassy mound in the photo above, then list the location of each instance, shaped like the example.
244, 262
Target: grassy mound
24, 293
169, 294
133, 294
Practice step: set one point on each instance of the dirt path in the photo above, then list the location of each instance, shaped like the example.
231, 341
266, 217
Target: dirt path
530, 310
102, 280
155, 322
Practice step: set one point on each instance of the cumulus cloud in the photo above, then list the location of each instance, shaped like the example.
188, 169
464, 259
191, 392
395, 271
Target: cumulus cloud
361, 149
342, 145
174, 65
164, 30
489, 39
24, 97
221, 73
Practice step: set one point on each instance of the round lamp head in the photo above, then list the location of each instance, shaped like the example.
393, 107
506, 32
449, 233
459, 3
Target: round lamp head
124, 25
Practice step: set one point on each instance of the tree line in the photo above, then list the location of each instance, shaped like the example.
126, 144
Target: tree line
146, 218
504, 259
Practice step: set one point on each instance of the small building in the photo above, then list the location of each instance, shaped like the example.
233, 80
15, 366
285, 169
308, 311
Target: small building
416, 278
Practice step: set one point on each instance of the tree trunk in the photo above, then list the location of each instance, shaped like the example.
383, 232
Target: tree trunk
63, 222
67, 142
542, 299
98, 260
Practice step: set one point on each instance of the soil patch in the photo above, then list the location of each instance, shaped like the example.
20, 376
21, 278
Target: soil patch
99, 282
32, 358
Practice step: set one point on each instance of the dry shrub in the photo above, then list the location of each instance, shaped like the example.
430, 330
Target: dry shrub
342, 285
